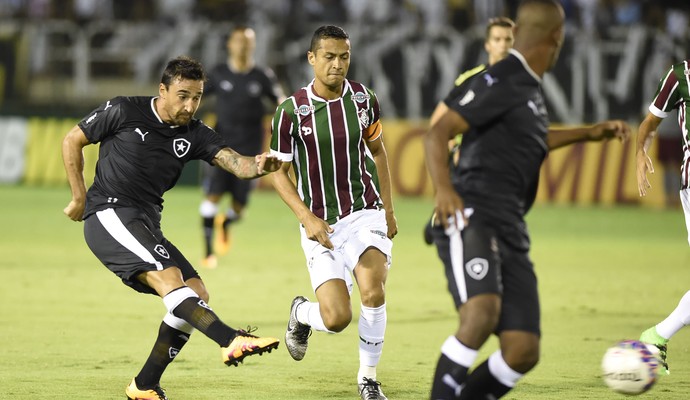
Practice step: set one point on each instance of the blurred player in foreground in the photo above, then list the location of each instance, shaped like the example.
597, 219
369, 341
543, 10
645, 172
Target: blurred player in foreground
672, 94
497, 41
144, 144
482, 237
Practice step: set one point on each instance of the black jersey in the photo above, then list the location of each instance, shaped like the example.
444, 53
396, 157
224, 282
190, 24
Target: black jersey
502, 154
240, 105
140, 156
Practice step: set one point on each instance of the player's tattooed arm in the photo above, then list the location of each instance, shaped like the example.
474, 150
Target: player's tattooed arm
246, 167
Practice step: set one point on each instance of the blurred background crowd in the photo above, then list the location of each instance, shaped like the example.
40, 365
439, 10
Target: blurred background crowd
66, 56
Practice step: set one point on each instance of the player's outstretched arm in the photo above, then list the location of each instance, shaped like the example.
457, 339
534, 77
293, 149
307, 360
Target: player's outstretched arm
645, 134
73, 159
246, 167
560, 137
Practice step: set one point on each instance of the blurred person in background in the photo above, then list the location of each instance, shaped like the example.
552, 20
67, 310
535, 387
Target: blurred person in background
498, 39
672, 94
144, 144
330, 132
482, 236
243, 91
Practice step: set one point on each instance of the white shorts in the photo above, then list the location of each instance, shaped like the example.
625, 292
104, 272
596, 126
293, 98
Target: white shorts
685, 200
351, 236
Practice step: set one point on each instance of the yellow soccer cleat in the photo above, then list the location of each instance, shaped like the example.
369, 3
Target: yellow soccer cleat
244, 345
134, 393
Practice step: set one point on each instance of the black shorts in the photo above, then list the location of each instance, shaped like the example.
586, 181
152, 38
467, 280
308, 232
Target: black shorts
128, 242
483, 259
219, 181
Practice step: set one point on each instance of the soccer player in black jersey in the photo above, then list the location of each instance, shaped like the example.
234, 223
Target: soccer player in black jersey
242, 91
482, 238
144, 143
497, 41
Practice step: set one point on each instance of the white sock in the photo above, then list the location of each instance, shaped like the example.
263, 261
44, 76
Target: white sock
677, 319
502, 371
308, 313
372, 327
458, 352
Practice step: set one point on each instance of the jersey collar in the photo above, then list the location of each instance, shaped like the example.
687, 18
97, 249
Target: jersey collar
312, 94
153, 109
524, 64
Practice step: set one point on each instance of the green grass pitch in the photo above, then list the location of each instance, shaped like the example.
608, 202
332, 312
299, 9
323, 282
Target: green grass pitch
70, 330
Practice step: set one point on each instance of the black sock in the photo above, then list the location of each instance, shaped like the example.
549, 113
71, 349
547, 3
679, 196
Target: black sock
200, 316
447, 378
168, 344
208, 235
481, 383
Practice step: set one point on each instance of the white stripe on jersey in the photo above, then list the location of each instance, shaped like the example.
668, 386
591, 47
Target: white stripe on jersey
112, 223
335, 167
457, 258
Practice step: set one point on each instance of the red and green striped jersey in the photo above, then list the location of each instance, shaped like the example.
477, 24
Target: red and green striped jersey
325, 141
674, 92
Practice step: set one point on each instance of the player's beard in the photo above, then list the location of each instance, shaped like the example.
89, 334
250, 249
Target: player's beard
183, 118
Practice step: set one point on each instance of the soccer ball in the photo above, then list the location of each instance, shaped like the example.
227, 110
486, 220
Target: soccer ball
629, 367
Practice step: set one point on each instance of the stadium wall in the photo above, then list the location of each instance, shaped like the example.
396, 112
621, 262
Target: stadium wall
584, 174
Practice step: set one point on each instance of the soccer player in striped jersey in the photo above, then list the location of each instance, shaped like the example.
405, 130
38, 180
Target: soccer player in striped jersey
144, 144
331, 134
497, 41
672, 93
483, 238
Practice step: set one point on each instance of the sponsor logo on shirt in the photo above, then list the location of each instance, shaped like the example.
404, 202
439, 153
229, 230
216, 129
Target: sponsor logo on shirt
142, 134
477, 268
107, 105
161, 251
360, 97
226, 85
91, 118
469, 96
490, 80
304, 110
181, 147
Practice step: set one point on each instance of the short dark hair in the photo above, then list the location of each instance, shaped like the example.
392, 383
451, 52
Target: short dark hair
503, 22
183, 67
327, 32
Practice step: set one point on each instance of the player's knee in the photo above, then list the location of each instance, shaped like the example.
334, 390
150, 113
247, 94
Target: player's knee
336, 320
522, 361
520, 350
373, 297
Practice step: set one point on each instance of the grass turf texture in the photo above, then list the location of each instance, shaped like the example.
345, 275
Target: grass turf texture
70, 329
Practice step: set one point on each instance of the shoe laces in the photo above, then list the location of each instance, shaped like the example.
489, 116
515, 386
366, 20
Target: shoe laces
247, 332
302, 332
159, 391
371, 389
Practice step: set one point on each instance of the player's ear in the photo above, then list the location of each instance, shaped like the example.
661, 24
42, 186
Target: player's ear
311, 57
162, 90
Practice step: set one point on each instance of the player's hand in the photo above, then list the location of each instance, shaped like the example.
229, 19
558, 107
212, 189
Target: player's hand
74, 210
317, 229
449, 206
392, 223
265, 163
644, 165
611, 129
